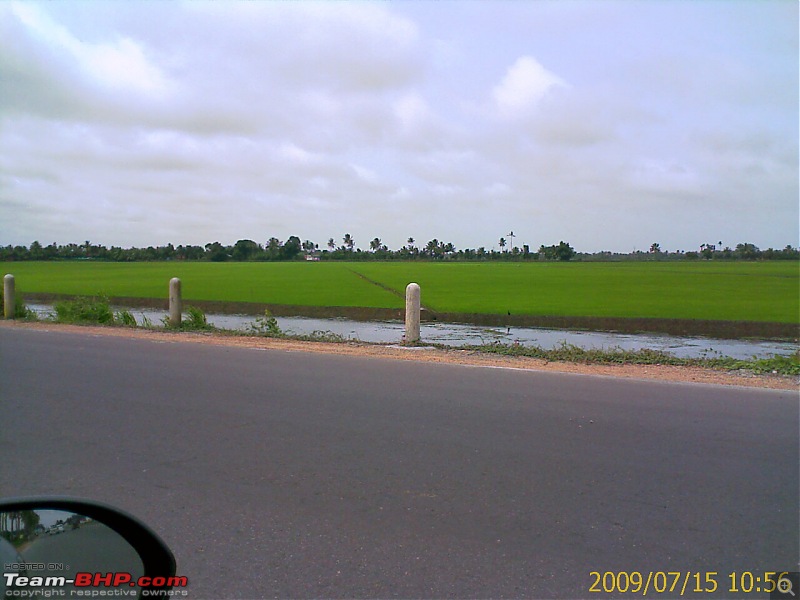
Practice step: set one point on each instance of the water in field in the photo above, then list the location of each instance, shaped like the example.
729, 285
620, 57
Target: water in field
457, 335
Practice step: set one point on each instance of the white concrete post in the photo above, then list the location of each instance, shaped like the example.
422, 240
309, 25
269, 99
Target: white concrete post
9, 301
175, 304
412, 313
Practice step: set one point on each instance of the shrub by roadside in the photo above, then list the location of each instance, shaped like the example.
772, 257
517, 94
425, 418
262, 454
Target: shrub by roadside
781, 365
21, 311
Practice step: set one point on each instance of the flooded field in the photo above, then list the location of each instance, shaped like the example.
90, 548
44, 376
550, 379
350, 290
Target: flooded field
452, 334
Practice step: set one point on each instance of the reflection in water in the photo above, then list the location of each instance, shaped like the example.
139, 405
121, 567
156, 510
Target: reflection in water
56, 544
451, 334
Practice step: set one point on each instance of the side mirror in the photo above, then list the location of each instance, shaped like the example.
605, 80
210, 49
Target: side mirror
63, 543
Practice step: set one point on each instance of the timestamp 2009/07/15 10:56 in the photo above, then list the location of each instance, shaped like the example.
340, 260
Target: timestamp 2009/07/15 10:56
692, 582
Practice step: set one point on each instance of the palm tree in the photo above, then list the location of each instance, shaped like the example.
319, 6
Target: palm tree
375, 244
349, 242
331, 243
431, 247
410, 242
502, 243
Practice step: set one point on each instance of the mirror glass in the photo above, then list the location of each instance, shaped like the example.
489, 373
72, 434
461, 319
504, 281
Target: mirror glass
56, 545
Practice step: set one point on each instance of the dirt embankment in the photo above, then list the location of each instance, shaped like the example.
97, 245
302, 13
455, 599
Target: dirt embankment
428, 354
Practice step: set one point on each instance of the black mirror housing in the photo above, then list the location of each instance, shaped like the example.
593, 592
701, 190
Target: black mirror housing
156, 557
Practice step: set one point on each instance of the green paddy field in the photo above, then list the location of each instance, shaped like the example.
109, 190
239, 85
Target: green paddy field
719, 291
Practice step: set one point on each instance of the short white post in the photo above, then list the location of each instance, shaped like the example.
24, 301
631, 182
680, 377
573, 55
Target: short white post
9, 301
175, 304
412, 313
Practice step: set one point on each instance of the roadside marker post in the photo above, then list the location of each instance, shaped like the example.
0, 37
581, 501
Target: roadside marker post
412, 313
175, 303
9, 300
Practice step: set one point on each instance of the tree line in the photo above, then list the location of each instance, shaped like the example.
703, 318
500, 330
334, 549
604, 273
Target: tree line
295, 249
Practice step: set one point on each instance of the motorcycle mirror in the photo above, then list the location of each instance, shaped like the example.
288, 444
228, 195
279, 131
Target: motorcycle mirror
55, 543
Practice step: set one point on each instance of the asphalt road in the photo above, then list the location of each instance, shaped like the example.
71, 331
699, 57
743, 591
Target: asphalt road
277, 474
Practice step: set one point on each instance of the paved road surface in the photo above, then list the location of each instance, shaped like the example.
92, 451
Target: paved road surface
276, 474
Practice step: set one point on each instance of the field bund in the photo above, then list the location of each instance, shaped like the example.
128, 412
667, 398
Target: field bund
718, 299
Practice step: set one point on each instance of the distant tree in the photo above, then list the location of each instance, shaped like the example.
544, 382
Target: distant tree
331, 243
561, 252
375, 244
747, 251
707, 250
564, 251
349, 242
502, 243
655, 248
216, 252
273, 249
431, 248
790, 253
36, 252
245, 250
291, 248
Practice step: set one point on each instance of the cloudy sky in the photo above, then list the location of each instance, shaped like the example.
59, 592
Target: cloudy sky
610, 125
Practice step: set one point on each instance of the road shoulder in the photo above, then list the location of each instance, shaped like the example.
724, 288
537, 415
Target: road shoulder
434, 355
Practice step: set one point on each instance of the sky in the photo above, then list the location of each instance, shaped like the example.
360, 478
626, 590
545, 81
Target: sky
609, 125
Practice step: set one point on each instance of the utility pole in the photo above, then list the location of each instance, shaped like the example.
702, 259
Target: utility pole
512, 236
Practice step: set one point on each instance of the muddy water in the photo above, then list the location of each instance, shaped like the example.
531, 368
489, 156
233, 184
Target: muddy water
457, 335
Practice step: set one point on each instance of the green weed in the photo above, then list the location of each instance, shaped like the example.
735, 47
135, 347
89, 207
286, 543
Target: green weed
125, 318
195, 321
266, 326
84, 310
782, 365
20, 310
321, 336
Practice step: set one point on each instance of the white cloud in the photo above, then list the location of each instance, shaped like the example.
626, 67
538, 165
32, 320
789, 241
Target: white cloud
526, 82
365, 174
120, 65
497, 189
411, 109
295, 153
209, 120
